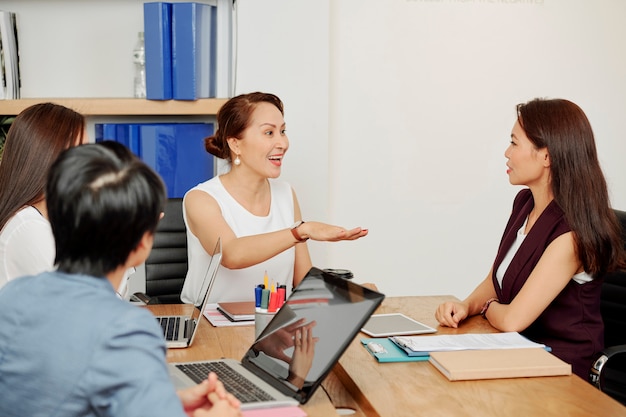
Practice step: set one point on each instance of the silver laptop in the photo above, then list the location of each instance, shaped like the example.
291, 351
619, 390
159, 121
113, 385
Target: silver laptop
179, 331
332, 308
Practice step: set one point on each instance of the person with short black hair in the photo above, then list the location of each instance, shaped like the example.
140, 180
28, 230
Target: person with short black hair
68, 345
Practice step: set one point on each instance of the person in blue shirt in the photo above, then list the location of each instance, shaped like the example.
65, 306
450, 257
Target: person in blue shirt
68, 345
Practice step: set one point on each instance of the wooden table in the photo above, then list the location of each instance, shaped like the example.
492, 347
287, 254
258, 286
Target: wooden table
231, 342
414, 388
417, 388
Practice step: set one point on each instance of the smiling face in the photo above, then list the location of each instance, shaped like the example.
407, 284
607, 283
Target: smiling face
263, 143
526, 164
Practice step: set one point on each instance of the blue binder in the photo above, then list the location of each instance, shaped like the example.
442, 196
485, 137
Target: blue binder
176, 152
124, 133
105, 131
193, 50
158, 50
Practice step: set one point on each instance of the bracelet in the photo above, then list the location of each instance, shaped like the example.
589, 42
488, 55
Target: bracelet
296, 235
483, 312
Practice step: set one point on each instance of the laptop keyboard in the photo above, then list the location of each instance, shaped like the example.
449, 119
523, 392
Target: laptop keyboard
170, 326
233, 381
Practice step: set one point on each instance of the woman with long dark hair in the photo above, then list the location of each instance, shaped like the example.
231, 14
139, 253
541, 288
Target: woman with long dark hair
561, 239
35, 139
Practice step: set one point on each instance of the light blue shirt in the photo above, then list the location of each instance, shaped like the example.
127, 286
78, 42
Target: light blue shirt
70, 347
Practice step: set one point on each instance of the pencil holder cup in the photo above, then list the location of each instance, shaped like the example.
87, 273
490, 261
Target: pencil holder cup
261, 319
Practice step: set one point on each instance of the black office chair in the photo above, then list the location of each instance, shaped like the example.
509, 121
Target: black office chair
609, 371
166, 267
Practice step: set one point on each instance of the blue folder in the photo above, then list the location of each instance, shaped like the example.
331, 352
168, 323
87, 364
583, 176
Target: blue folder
124, 133
176, 151
384, 350
193, 50
157, 19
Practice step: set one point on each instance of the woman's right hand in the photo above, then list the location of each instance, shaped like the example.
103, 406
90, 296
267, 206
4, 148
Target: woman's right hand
451, 313
329, 233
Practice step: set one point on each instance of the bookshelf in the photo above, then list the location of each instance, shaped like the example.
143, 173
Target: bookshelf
90, 107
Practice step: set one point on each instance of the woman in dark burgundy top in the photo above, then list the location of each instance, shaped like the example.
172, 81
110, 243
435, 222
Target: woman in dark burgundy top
561, 238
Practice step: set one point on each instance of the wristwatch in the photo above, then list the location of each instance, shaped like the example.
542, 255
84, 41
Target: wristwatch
294, 232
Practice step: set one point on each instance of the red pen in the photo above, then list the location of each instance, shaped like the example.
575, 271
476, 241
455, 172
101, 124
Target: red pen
273, 305
281, 291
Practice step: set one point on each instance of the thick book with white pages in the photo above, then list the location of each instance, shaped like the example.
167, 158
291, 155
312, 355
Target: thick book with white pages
498, 363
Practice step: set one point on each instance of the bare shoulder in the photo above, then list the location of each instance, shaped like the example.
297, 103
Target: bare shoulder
200, 204
198, 197
562, 252
566, 243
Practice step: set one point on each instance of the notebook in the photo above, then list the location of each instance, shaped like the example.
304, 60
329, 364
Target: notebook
463, 365
333, 320
237, 310
179, 330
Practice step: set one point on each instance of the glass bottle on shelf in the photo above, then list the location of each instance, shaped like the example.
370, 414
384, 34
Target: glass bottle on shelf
139, 59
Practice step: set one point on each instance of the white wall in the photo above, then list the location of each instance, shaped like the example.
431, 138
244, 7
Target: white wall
398, 111
422, 105
283, 49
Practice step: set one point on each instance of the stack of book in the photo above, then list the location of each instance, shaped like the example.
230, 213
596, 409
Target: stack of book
189, 50
470, 356
9, 57
174, 150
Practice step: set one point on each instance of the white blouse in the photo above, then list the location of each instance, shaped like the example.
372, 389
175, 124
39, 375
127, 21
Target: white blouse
26, 245
27, 248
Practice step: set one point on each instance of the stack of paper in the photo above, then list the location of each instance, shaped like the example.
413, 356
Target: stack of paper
472, 355
424, 345
420, 348
217, 319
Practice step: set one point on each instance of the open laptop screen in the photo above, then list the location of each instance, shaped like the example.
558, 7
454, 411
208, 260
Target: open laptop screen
207, 284
333, 310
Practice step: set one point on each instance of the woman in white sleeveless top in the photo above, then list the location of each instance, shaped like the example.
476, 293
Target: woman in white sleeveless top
256, 215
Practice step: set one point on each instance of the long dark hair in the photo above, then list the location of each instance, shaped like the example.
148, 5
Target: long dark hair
35, 139
577, 181
233, 118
